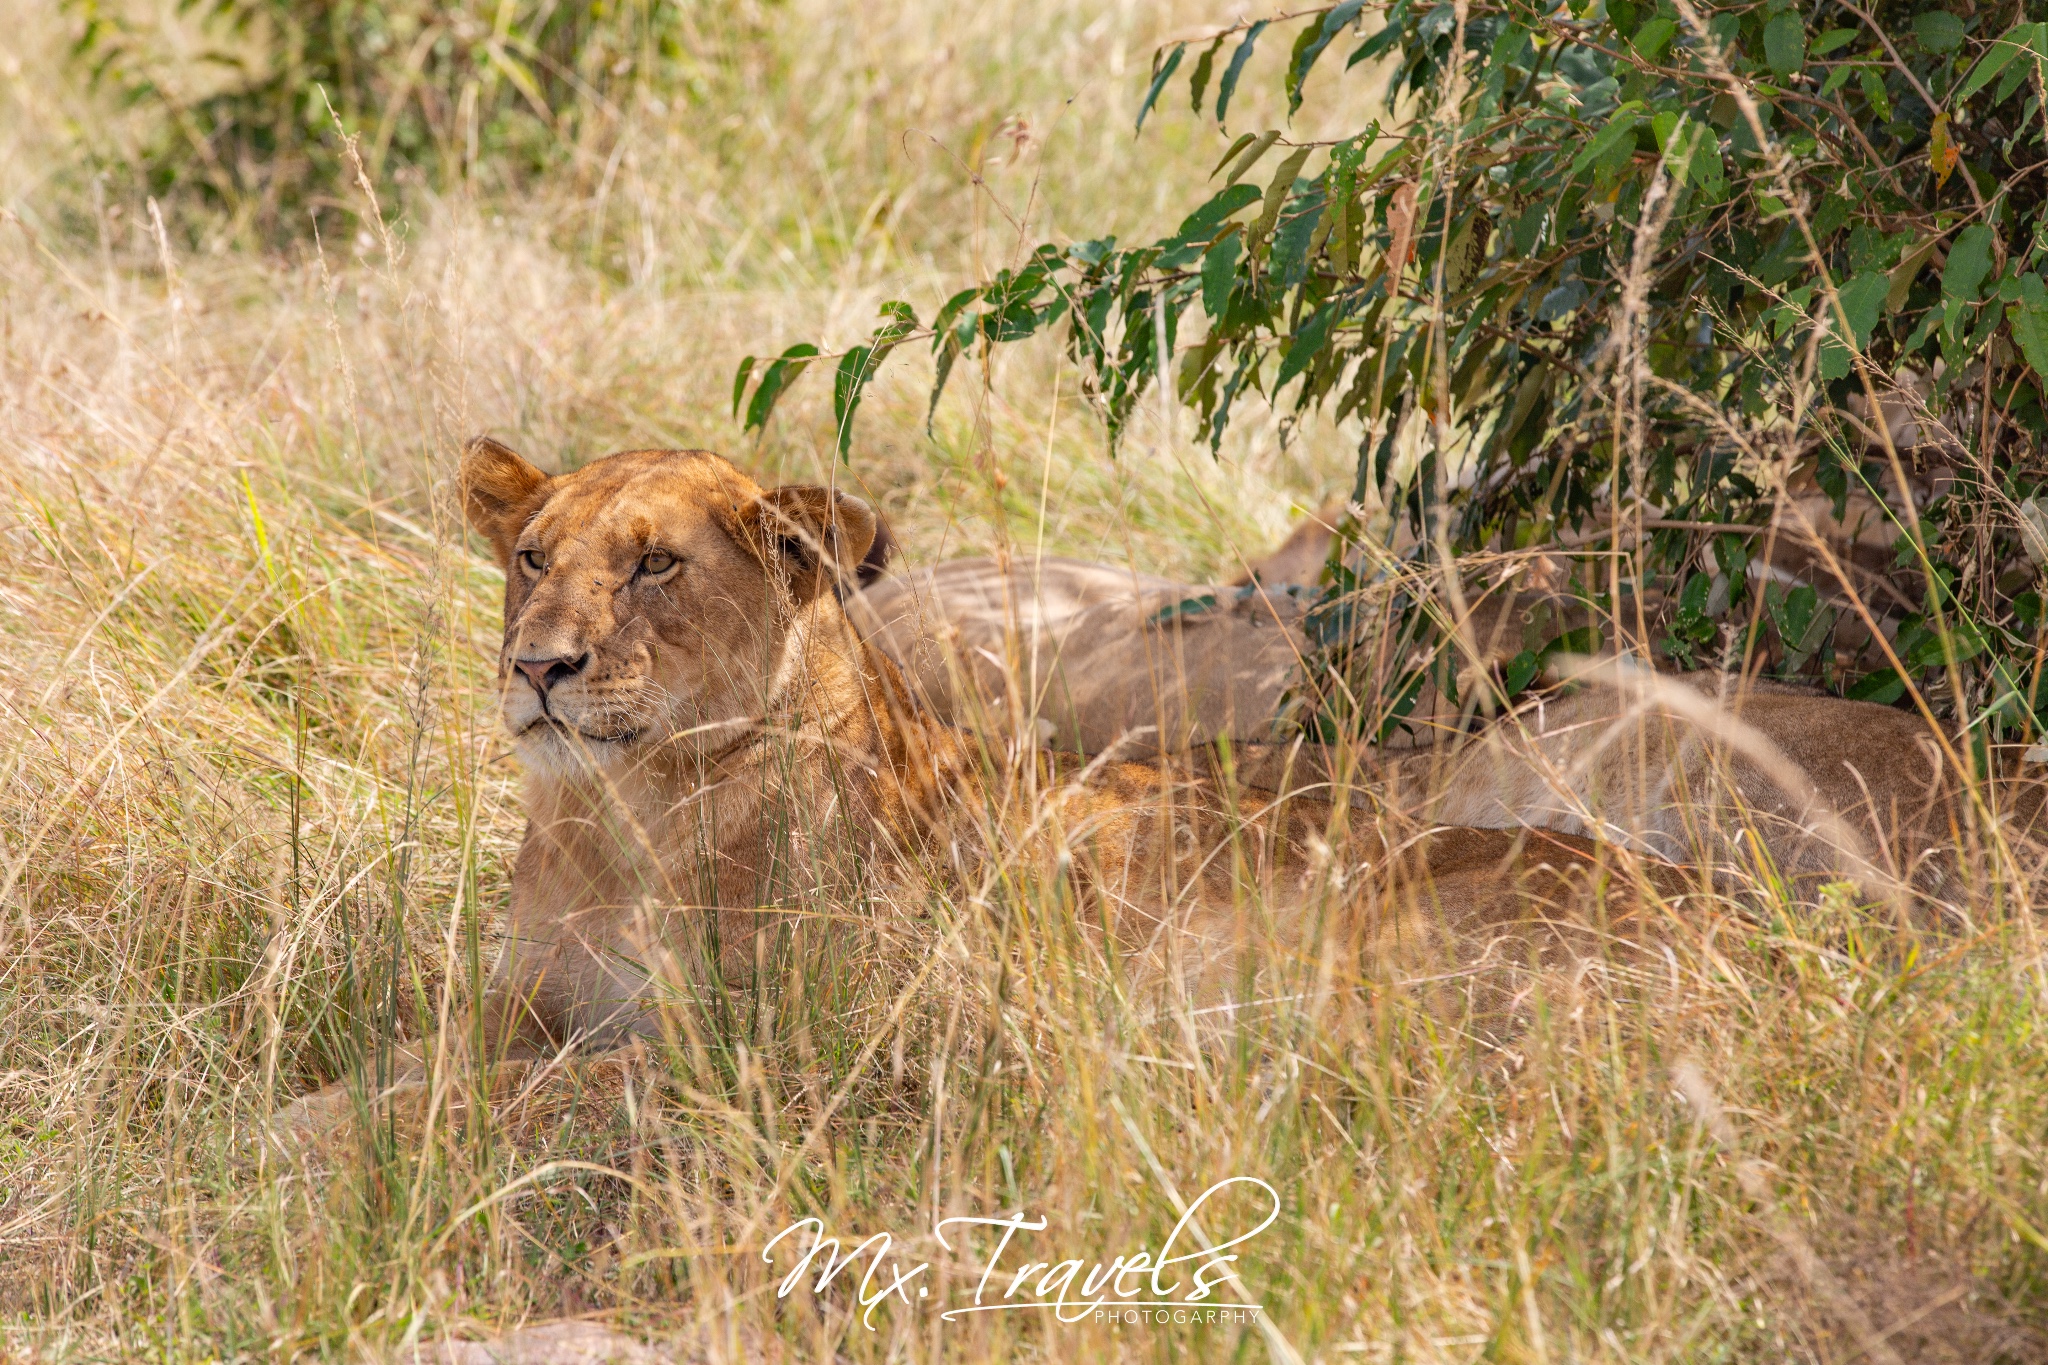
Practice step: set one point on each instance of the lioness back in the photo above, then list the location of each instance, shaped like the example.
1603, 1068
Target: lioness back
1704, 765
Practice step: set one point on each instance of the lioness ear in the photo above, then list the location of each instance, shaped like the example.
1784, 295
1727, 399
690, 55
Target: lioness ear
500, 494
875, 562
813, 536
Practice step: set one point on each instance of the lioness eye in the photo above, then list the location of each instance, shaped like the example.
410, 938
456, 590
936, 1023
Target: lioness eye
657, 562
532, 562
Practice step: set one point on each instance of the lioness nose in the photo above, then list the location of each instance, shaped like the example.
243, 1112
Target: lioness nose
545, 673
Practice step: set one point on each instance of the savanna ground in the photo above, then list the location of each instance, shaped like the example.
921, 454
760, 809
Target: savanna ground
255, 818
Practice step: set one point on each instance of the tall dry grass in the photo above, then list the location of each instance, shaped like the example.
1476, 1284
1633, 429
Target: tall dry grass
257, 819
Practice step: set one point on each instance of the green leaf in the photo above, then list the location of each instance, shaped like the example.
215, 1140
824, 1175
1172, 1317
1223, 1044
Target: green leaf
1219, 272
739, 383
1243, 141
1561, 301
1873, 90
1832, 39
1987, 324
849, 382
1403, 704
1829, 217
2003, 50
1883, 687
1693, 601
1308, 343
1520, 672
1199, 82
1159, 80
1260, 145
1862, 300
1703, 167
1527, 395
780, 375
1652, 38
1396, 28
1963, 638
1386, 164
903, 319
1509, 46
1187, 606
1802, 622
1201, 225
1917, 645
1692, 152
1908, 270
858, 366
1278, 191
1314, 40
1785, 43
1236, 68
2016, 74
1662, 125
1969, 261
2030, 323
1680, 139
1621, 126
1928, 322
1584, 640
1302, 41
948, 352
1289, 258
1938, 30
949, 311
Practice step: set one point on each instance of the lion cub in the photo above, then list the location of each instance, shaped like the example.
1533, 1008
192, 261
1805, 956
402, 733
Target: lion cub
708, 744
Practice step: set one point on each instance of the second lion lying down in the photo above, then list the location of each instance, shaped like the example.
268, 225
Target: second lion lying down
1743, 774
708, 743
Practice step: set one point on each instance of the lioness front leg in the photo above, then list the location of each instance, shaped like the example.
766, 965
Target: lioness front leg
515, 1039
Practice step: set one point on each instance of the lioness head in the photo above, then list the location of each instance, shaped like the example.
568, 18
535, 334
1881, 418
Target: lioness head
651, 596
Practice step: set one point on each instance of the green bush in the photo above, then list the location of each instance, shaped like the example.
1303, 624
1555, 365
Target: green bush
437, 92
1630, 264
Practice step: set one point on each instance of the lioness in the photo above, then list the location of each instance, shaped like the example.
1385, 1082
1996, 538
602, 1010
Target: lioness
704, 736
1100, 657
708, 743
1713, 767
1701, 766
1095, 657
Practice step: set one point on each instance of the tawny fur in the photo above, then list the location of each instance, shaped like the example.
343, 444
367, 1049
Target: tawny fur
1748, 775
731, 748
1740, 775
709, 747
